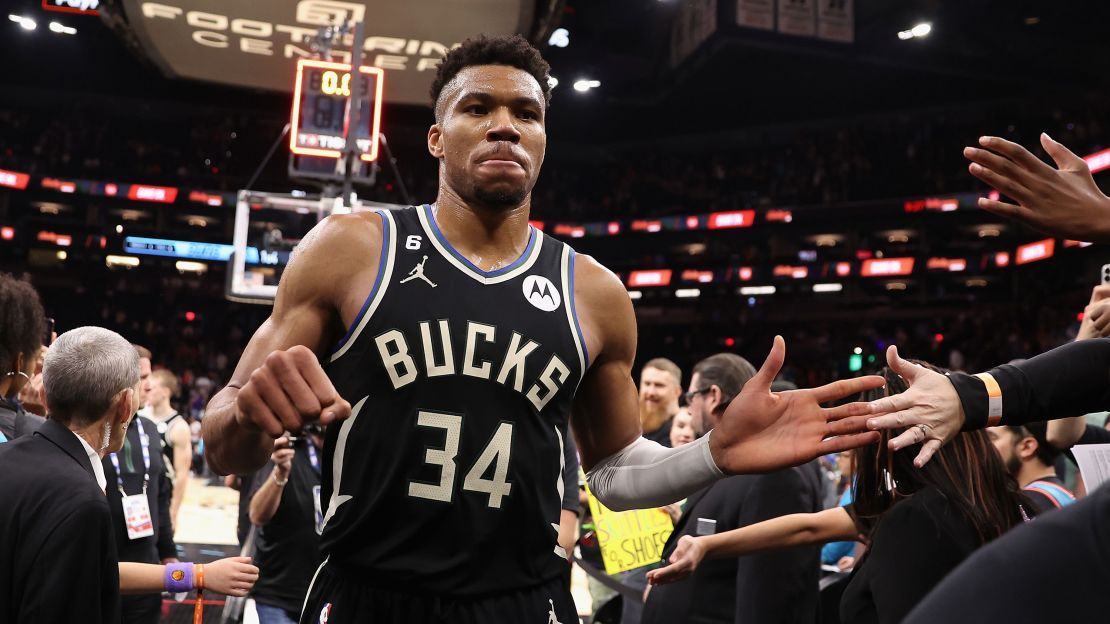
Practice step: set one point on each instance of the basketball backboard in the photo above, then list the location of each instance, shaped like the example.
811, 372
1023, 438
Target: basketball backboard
268, 227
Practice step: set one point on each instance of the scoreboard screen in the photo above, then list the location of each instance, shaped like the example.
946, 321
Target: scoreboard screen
319, 121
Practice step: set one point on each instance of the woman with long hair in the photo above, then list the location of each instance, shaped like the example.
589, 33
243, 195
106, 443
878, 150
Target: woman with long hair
22, 325
919, 523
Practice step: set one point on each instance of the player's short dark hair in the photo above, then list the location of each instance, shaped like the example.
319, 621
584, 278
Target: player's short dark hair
511, 50
22, 321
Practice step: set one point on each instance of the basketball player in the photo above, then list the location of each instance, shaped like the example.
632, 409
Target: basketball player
441, 485
177, 440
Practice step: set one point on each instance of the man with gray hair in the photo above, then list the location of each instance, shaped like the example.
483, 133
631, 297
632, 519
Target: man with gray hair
58, 558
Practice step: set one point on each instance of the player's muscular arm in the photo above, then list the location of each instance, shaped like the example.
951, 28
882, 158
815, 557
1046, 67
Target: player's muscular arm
625, 470
278, 383
606, 411
760, 431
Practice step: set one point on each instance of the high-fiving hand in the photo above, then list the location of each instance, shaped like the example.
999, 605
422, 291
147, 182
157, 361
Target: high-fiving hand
930, 410
1063, 202
763, 431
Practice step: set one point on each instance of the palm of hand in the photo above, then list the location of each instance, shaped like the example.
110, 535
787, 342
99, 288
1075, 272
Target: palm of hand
764, 431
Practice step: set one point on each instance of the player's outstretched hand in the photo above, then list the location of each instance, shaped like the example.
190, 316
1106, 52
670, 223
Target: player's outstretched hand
687, 554
1063, 202
930, 410
762, 431
232, 576
287, 391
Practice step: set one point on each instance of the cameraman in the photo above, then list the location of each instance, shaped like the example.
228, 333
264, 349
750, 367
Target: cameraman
286, 507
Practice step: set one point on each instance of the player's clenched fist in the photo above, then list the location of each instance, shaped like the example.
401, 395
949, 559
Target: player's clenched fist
287, 391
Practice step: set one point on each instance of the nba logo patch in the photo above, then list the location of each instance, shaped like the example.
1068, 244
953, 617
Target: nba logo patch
324, 613
541, 293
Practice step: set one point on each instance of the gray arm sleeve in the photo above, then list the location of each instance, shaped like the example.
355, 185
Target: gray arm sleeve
646, 474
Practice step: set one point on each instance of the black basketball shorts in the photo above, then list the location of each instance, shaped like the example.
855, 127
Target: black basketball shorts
340, 598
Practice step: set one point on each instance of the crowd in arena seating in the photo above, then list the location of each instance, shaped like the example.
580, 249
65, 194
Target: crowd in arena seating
848, 160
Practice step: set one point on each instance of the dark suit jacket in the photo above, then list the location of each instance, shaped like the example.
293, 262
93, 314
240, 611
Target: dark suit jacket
57, 556
16, 422
773, 587
158, 492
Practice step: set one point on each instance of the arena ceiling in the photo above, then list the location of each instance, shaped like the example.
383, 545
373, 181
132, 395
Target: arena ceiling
737, 77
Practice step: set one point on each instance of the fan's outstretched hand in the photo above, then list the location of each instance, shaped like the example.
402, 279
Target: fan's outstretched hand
930, 410
1064, 201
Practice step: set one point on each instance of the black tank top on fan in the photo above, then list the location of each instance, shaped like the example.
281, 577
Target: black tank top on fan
447, 477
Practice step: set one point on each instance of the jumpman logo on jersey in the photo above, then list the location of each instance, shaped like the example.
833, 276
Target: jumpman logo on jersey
418, 272
551, 617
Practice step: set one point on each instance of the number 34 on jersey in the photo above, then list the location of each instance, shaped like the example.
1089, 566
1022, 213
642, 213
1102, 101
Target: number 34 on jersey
496, 453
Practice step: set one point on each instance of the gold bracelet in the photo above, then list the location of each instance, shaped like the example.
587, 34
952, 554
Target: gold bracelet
279, 482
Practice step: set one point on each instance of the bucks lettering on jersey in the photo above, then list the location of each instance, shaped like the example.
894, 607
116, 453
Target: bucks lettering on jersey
447, 477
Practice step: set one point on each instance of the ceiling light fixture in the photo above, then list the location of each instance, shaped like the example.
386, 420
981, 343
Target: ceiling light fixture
918, 31
560, 38
584, 85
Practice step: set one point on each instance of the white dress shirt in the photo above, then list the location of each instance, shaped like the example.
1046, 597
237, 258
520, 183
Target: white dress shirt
95, 460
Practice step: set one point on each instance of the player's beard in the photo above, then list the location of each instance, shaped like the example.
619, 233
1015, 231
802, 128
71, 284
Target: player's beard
1013, 465
500, 199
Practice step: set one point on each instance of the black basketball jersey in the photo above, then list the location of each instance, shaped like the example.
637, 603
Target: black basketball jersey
447, 477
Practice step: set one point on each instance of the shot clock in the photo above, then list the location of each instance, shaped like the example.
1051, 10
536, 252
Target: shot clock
319, 122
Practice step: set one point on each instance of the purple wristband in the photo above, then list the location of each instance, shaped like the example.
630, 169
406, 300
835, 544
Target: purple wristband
179, 577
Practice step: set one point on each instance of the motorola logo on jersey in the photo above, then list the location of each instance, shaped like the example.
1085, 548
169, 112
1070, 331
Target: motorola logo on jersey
541, 293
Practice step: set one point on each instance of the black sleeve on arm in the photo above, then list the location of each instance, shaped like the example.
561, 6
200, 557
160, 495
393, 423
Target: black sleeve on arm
570, 474
166, 546
1070, 380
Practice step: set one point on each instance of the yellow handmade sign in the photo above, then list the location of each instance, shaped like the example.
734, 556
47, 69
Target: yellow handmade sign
629, 539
